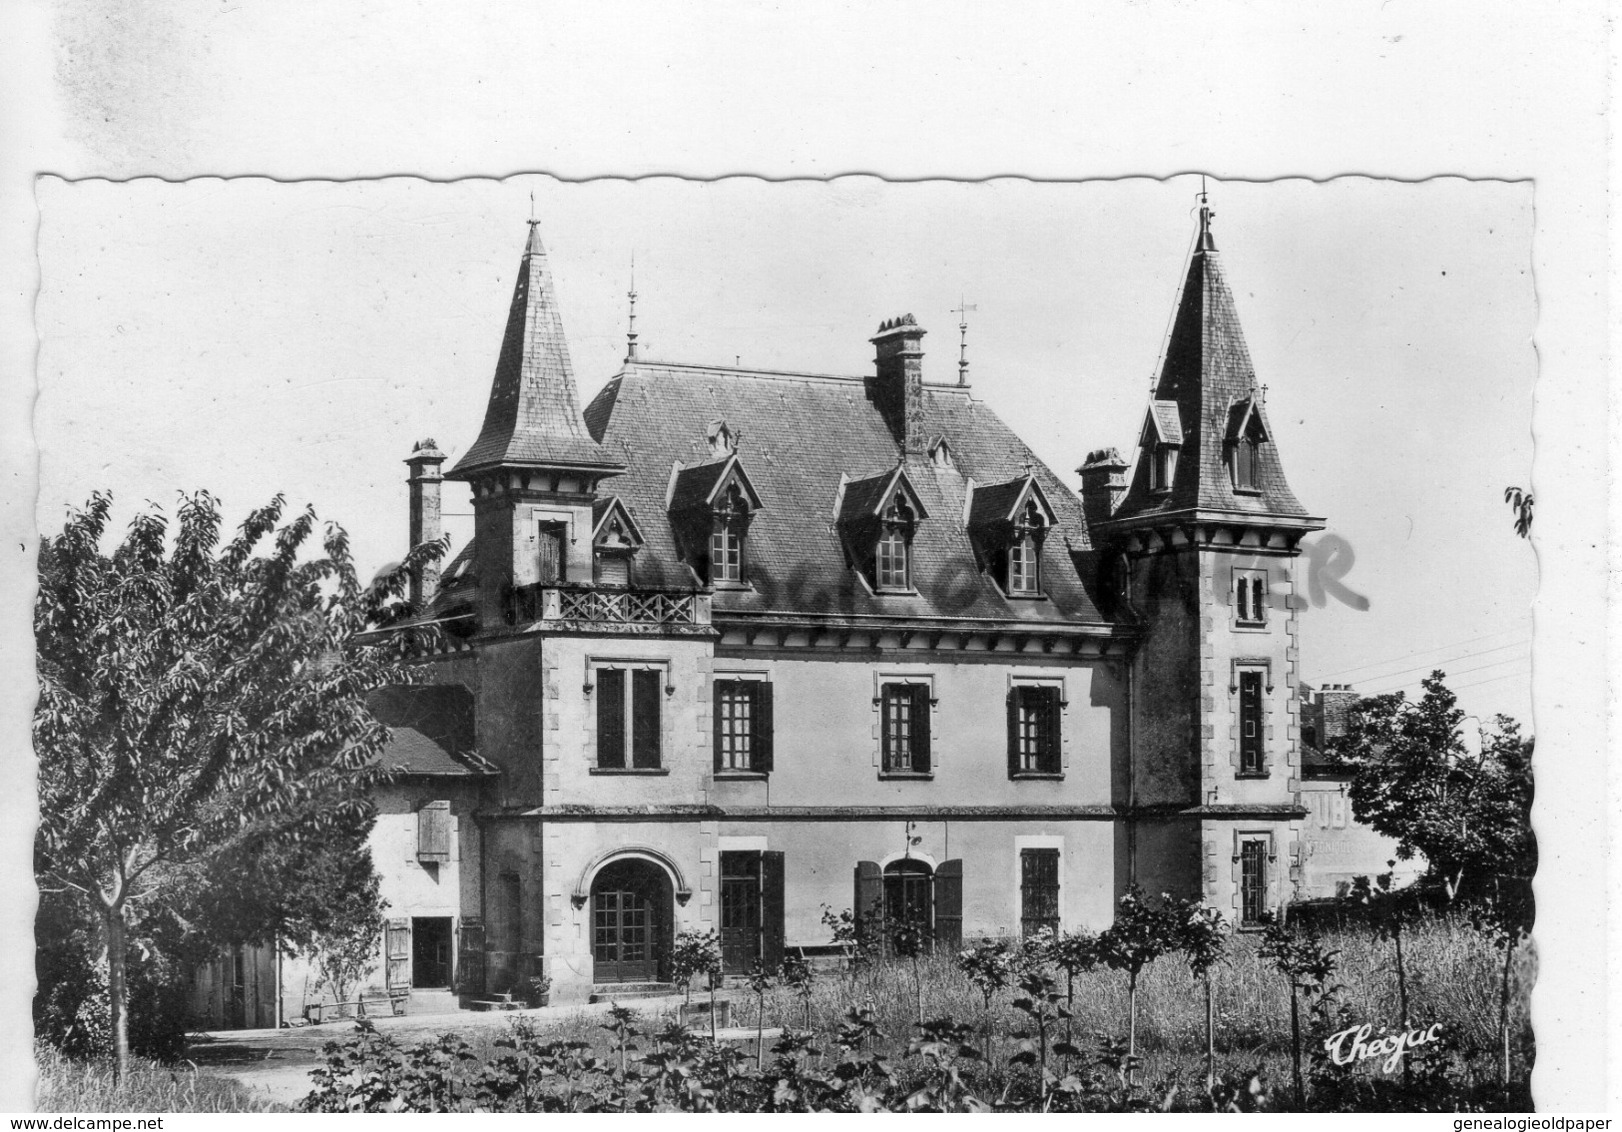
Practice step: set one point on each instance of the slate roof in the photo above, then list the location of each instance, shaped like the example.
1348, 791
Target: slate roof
864, 498
533, 416
1168, 426
804, 431
430, 730
1206, 372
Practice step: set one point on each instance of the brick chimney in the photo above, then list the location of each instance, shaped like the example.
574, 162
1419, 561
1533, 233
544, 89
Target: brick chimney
1334, 702
1103, 482
897, 387
424, 481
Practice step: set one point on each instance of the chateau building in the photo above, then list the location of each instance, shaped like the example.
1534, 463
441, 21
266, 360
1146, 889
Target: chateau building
730, 647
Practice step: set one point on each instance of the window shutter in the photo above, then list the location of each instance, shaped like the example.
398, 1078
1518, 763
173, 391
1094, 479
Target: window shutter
869, 907
1050, 731
771, 910
397, 951
645, 717
718, 694
611, 718
613, 570
887, 754
1258, 605
470, 956
761, 737
921, 758
949, 905
434, 832
1013, 730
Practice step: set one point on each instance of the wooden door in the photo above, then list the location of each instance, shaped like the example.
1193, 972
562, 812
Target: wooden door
628, 921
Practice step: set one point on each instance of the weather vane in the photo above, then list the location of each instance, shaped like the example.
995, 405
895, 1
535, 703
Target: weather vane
962, 311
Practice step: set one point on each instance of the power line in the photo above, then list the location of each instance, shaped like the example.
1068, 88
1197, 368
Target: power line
1381, 677
1460, 672
1417, 652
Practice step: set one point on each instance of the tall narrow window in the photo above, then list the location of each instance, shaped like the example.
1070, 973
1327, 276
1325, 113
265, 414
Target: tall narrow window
904, 728
1025, 552
1038, 891
1252, 881
726, 537
743, 725
551, 541
1250, 597
892, 565
909, 895
1033, 730
1244, 464
1250, 723
1163, 467
628, 718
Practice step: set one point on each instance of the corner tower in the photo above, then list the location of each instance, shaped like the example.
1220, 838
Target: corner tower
535, 468
1202, 547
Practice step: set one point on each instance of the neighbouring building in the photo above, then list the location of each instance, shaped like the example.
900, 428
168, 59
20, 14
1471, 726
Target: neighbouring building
730, 647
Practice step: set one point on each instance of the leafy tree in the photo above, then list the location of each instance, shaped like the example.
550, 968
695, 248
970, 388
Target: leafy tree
1142, 932
196, 700
1414, 781
990, 968
1074, 953
1300, 956
694, 954
1202, 936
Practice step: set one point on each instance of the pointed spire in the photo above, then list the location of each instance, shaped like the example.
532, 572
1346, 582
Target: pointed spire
630, 336
1207, 370
533, 416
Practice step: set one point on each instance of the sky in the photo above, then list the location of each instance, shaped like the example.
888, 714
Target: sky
251, 337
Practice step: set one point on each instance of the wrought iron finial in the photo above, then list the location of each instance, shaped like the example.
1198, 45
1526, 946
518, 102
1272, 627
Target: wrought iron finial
630, 335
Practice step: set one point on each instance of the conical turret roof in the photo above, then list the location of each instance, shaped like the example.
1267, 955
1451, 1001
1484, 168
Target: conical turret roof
533, 417
1206, 384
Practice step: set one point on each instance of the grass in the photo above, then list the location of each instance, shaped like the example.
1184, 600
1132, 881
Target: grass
68, 1086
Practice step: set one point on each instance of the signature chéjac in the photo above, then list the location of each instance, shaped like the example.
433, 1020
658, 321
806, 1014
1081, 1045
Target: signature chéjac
1352, 1044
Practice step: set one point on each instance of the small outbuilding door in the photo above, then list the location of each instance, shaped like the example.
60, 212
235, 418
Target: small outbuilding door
431, 951
630, 922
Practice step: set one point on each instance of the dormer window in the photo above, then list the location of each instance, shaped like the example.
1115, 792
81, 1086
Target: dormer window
1162, 439
712, 507
877, 517
1163, 467
1243, 461
893, 560
614, 542
1025, 553
1008, 523
726, 538
1247, 429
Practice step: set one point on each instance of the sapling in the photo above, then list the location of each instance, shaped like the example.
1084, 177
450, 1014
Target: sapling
760, 981
798, 975
1300, 956
1388, 910
1203, 939
1073, 953
695, 953
990, 968
1142, 932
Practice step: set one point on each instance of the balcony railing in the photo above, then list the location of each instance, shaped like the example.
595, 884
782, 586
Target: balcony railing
610, 606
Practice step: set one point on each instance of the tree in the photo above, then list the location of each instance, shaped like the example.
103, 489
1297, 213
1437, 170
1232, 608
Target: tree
1300, 956
1202, 936
1142, 932
198, 700
1414, 781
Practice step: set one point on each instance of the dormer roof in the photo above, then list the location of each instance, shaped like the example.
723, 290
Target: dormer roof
701, 486
606, 511
1005, 503
1163, 426
1246, 418
871, 496
533, 416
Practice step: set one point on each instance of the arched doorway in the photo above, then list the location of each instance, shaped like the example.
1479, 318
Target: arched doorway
909, 894
631, 922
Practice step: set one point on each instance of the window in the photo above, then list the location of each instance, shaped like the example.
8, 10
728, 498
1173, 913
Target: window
751, 910
628, 712
1162, 467
434, 832
892, 566
904, 728
743, 726
1250, 596
1252, 881
1243, 457
1033, 730
1038, 891
1250, 723
553, 537
909, 896
1025, 553
726, 537
613, 569
904, 723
